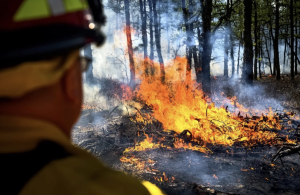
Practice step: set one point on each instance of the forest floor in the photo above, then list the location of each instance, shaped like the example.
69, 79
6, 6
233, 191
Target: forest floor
185, 172
265, 92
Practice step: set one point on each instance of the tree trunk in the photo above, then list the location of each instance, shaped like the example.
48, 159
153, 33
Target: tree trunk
231, 44
193, 48
259, 52
188, 40
199, 67
151, 37
226, 52
232, 54
89, 77
144, 30
248, 48
272, 40
157, 42
285, 42
129, 44
292, 39
255, 40
226, 40
168, 30
207, 47
269, 57
296, 46
262, 55
275, 42
238, 61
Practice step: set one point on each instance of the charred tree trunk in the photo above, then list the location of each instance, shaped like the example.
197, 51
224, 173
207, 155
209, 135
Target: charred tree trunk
151, 37
188, 41
157, 42
285, 43
296, 47
292, 39
269, 57
248, 49
259, 52
144, 30
199, 68
226, 52
262, 55
232, 54
226, 40
168, 30
231, 43
272, 44
238, 61
256, 40
193, 48
275, 42
207, 47
129, 44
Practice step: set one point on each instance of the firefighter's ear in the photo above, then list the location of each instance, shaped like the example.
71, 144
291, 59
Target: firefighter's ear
73, 84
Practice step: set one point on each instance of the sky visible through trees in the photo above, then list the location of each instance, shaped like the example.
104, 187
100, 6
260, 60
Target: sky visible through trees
233, 38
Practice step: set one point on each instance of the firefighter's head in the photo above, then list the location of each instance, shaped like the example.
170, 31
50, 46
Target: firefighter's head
40, 64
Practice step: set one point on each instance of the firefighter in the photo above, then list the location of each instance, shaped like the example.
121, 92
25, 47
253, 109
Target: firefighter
41, 97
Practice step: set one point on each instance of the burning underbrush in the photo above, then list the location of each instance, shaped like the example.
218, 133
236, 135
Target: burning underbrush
172, 123
181, 106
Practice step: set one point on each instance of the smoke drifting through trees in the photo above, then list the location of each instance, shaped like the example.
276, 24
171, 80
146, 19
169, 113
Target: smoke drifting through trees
215, 36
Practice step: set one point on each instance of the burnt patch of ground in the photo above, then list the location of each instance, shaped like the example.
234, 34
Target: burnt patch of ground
232, 170
228, 170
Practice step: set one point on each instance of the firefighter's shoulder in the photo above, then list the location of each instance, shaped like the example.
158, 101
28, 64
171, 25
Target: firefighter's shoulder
84, 174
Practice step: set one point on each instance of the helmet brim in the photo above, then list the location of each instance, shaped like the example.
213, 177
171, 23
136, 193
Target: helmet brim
39, 43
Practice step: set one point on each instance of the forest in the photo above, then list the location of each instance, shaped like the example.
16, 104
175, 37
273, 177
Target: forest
247, 38
197, 96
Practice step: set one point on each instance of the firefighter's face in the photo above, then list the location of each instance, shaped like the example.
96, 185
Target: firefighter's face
73, 91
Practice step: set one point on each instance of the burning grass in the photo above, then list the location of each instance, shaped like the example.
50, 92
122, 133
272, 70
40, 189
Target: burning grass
180, 105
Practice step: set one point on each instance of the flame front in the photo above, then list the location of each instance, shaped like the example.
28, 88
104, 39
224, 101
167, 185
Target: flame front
181, 105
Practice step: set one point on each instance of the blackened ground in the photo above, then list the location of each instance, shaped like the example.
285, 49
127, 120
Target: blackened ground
232, 170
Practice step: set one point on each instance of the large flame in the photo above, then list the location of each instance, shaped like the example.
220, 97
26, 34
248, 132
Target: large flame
181, 105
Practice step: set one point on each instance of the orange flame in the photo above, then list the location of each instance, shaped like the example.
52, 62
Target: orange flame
181, 105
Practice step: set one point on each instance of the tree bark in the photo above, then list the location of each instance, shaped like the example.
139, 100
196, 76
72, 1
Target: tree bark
207, 47
296, 46
248, 48
151, 37
226, 52
259, 52
238, 61
292, 39
185, 12
129, 44
157, 42
232, 54
231, 44
285, 43
269, 57
255, 40
168, 30
226, 40
275, 42
144, 30
199, 67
